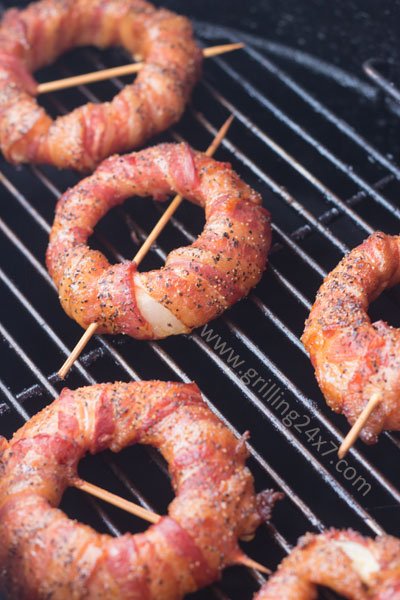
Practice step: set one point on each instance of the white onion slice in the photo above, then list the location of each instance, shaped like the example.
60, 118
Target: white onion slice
363, 560
162, 320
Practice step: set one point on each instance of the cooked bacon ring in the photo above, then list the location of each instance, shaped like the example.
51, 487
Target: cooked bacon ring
354, 358
356, 567
44, 554
37, 35
197, 283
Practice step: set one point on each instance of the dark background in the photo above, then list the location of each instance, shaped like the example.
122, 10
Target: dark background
343, 32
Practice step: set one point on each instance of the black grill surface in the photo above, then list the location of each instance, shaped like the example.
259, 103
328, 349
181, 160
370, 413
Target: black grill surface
320, 144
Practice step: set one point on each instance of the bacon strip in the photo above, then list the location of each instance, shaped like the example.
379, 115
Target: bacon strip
354, 358
35, 36
356, 567
197, 283
43, 554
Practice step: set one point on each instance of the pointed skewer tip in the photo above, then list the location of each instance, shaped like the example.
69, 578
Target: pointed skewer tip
246, 561
359, 424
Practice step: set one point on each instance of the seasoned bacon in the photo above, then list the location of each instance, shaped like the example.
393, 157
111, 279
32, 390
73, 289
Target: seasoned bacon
37, 35
356, 567
197, 283
43, 554
354, 358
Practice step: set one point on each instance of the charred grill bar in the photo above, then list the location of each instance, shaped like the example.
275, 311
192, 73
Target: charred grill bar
325, 171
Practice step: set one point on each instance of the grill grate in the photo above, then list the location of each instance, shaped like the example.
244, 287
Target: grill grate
381, 73
250, 364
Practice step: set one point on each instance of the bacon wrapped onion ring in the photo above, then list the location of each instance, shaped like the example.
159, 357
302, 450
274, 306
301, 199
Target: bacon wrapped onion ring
37, 35
44, 554
197, 283
356, 567
354, 358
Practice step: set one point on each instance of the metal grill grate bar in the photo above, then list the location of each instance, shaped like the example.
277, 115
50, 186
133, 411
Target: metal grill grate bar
278, 189
321, 148
370, 68
268, 141
307, 97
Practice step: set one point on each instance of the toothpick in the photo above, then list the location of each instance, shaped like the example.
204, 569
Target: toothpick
61, 84
246, 561
142, 513
151, 517
361, 421
143, 250
130, 507
76, 352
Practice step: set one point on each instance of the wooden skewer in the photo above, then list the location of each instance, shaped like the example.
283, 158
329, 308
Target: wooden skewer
354, 432
143, 251
246, 561
144, 513
76, 352
61, 84
152, 517
130, 507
